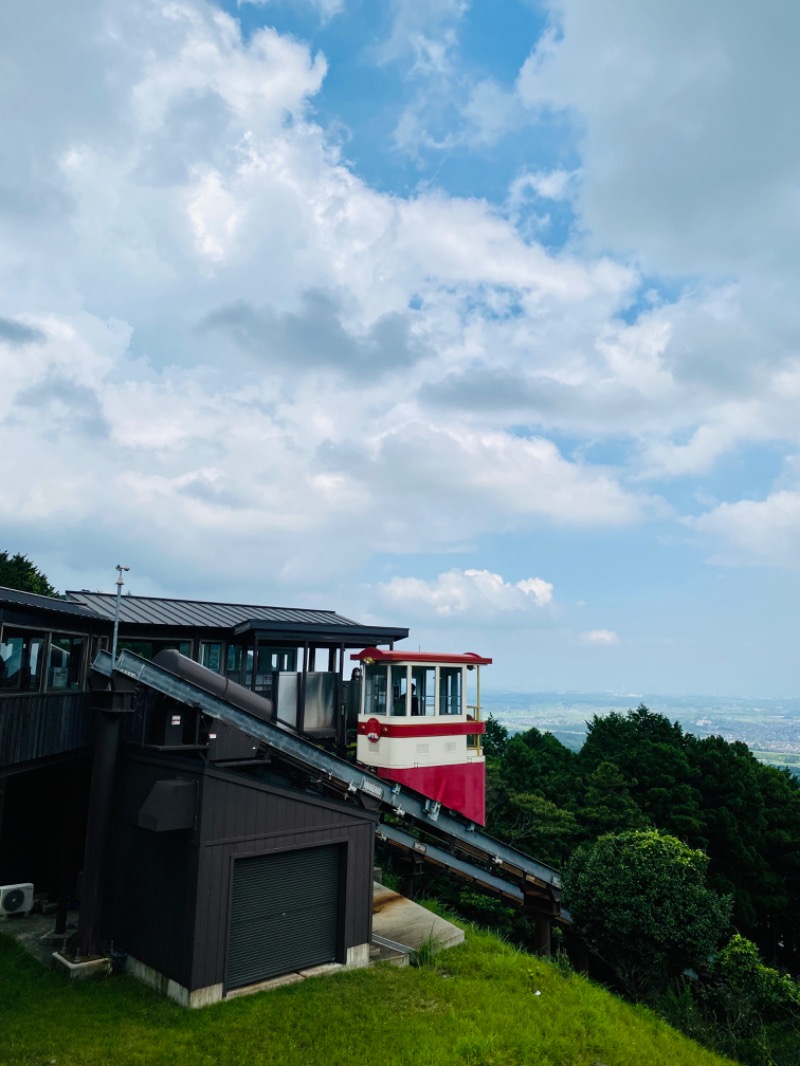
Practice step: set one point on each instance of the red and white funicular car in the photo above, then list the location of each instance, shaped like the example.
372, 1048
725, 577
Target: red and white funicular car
420, 725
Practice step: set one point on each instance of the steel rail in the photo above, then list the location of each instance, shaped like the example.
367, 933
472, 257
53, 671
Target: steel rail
432, 853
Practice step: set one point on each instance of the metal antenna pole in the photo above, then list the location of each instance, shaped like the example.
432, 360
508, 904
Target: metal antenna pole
120, 583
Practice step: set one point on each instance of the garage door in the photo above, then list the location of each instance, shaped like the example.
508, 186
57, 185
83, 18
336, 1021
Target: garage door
284, 914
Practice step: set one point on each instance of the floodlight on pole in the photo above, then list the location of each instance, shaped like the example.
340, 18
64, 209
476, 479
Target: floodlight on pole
120, 583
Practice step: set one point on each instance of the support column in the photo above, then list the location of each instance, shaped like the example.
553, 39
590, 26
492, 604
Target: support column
542, 924
339, 704
65, 873
3, 787
409, 867
301, 692
109, 706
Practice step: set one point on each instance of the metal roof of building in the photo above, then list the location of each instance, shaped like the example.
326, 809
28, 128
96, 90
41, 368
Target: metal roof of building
195, 614
152, 610
44, 603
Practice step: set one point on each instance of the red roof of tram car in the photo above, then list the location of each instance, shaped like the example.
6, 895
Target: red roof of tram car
376, 655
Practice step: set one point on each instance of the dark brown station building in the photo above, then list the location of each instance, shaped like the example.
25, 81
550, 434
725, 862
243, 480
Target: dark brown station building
215, 867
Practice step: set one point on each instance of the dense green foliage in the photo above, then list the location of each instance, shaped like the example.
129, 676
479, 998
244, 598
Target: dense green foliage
743, 1008
18, 572
755, 1006
641, 900
480, 1004
640, 771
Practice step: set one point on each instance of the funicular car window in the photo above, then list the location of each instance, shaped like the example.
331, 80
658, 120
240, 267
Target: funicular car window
450, 690
376, 682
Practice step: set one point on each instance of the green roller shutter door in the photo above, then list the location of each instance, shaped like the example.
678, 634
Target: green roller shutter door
284, 914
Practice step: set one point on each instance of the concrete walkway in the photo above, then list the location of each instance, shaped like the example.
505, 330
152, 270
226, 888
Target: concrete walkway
406, 924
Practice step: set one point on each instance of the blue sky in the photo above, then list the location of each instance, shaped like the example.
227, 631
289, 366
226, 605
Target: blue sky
474, 317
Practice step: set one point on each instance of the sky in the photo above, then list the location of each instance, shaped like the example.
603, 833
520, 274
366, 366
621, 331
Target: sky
478, 317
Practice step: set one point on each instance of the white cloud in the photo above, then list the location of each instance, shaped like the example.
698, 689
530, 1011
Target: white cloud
199, 190
463, 592
602, 638
204, 192
491, 112
547, 184
326, 9
485, 482
755, 532
425, 33
681, 165
542, 591
679, 169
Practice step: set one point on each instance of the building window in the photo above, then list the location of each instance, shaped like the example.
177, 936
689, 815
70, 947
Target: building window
21, 654
282, 660
211, 656
65, 662
148, 649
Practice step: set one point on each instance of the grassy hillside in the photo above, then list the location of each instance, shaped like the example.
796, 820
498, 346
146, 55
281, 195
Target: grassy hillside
481, 1003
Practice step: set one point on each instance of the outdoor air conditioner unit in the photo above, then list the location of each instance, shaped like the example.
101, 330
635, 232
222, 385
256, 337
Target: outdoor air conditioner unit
15, 899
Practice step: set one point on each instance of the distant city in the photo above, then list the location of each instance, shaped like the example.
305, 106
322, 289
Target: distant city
769, 726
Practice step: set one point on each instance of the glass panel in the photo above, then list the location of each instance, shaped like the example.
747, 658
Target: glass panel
233, 665
281, 659
376, 679
320, 711
288, 690
98, 645
273, 661
211, 656
400, 690
148, 649
21, 660
450, 690
65, 662
239, 665
10, 661
423, 690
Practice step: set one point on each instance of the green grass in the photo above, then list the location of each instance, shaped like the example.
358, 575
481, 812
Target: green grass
475, 1004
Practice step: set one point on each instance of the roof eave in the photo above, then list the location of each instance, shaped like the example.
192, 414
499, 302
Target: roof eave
351, 636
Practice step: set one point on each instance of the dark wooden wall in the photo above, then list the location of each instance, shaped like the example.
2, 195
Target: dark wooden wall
36, 726
152, 877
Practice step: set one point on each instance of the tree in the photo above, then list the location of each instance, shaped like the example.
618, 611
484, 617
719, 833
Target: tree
495, 739
536, 761
608, 806
651, 753
640, 898
755, 1009
734, 825
533, 824
18, 572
